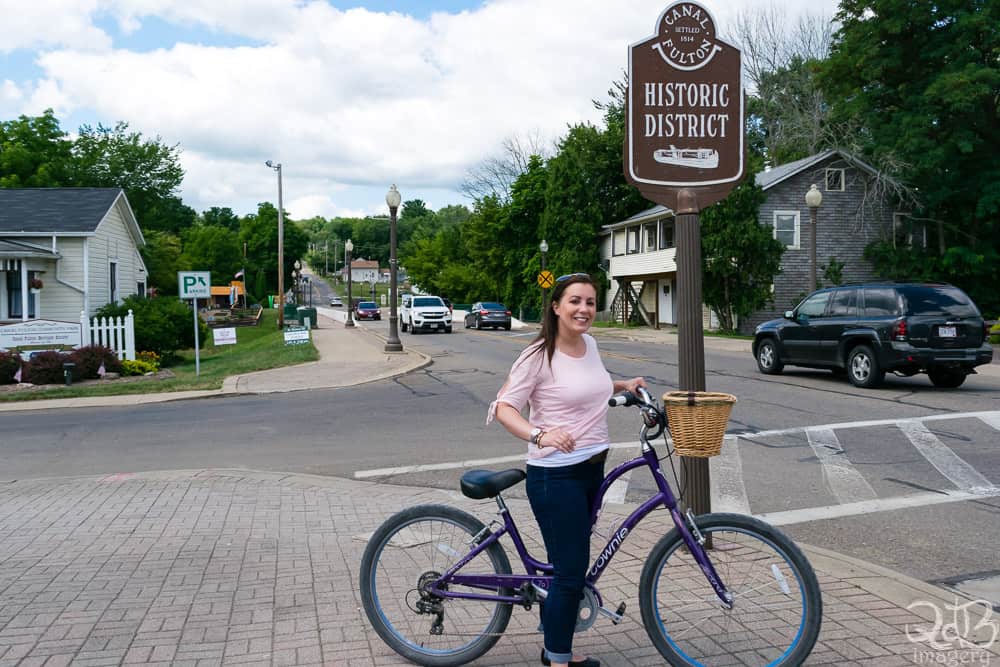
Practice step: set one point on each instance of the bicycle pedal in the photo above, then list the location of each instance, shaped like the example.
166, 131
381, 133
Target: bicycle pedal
620, 612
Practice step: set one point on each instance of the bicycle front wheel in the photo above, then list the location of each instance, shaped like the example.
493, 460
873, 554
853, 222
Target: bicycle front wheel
777, 606
408, 552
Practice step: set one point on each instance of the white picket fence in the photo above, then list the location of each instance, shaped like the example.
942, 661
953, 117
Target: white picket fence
118, 333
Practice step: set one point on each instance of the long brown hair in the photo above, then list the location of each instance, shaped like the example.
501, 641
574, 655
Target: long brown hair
546, 340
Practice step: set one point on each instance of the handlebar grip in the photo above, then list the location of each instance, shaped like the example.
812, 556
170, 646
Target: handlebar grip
646, 396
625, 398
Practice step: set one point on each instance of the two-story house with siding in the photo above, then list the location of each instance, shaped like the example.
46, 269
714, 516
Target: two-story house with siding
641, 260
66, 250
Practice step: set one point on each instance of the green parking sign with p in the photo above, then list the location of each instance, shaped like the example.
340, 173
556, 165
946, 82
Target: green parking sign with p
194, 284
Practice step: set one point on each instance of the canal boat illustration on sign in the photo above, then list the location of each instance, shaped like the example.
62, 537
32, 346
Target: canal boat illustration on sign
699, 158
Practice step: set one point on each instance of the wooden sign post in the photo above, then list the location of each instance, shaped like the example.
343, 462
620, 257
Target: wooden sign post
684, 149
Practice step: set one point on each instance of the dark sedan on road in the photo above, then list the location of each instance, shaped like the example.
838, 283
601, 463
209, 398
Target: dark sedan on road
367, 310
487, 314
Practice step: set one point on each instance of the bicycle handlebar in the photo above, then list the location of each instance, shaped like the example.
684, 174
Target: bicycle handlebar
652, 415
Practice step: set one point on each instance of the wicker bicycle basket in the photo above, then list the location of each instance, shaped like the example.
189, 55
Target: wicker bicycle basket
698, 421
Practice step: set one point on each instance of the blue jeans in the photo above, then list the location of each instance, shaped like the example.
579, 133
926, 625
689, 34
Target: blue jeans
561, 499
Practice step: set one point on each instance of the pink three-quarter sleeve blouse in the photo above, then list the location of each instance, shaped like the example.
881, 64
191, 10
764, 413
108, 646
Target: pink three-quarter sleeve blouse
572, 395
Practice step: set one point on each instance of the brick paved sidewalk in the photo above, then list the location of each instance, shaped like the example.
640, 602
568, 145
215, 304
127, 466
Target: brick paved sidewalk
248, 568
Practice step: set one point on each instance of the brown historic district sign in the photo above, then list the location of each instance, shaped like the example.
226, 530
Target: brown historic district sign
684, 109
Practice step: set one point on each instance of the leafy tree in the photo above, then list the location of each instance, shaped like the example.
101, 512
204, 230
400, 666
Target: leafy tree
260, 232
162, 255
212, 248
34, 152
221, 217
260, 291
740, 257
921, 79
147, 169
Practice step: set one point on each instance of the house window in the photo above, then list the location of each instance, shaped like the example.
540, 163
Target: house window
650, 231
834, 180
140, 290
908, 232
618, 243
786, 228
14, 310
633, 240
666, 234
113, 282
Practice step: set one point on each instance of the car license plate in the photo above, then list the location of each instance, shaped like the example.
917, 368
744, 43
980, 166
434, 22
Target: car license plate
435, 325
947, 332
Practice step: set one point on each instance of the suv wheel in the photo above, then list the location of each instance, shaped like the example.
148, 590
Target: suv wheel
403, 326
767, 358
947, 378
413, 329
863, 368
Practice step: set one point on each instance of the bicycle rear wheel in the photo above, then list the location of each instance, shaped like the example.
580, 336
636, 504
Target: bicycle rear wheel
412, 549
777, 607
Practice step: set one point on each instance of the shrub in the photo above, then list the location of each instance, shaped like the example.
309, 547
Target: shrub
162, 324
45, 368
995, 334
9, 363
88, 360
137, 367
151, 358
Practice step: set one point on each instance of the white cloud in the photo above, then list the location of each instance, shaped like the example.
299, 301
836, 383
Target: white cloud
44, 23
351, 98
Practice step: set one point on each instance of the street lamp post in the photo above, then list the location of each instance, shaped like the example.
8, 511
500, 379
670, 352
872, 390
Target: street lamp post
298, 283
348, 247
544, 248
393, 344
281, 250
813, 200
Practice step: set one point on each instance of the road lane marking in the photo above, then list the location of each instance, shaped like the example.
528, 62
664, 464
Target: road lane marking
993, 419
808, 514
729, 494
452, 465
842, 478
939, 455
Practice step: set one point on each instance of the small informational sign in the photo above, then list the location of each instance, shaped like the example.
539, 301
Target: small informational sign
224, 336
546, 279
296, 335
51, 333
194, 284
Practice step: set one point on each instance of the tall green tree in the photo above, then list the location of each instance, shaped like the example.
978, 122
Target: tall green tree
212, 248
162, 255
147, 169
923, 81
740, 257
260, 232
34, 152
221, 217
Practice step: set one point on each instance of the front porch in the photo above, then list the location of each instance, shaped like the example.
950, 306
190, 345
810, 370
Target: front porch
24, 269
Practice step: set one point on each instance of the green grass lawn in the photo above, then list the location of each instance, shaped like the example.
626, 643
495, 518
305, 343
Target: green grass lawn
257, 348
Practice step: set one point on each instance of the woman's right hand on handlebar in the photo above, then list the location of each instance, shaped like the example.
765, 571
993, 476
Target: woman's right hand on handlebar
559, 439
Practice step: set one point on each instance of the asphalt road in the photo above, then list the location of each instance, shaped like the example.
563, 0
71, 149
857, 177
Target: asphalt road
436, 415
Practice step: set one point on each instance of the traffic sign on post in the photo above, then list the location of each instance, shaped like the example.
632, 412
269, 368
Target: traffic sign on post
546, 279
194, 284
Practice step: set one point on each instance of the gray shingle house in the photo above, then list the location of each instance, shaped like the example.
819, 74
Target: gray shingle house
641, 259
66, 250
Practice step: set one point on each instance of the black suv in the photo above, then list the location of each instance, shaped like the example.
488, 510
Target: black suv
869, 329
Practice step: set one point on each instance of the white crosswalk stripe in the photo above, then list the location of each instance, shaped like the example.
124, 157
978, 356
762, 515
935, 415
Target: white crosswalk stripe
842, 478
729, 494
939, 455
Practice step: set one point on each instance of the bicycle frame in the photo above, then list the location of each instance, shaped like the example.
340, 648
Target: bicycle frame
539, 573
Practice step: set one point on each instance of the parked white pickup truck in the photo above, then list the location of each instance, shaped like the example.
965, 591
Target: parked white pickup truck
424, 312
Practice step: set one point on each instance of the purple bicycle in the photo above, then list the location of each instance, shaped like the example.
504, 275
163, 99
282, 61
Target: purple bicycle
718, 589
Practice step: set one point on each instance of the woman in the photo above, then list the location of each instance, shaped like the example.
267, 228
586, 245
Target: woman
562, 379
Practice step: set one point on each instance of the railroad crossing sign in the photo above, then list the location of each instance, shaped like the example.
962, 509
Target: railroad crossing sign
546, 279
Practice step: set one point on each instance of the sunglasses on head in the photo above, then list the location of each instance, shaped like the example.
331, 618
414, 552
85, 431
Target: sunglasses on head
572, 275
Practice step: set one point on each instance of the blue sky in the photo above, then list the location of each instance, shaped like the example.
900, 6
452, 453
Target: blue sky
349, 97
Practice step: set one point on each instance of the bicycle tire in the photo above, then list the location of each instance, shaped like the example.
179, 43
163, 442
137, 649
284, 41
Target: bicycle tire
688, 624
389, 582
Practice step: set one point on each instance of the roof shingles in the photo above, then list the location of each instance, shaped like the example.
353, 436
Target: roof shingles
54, 210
